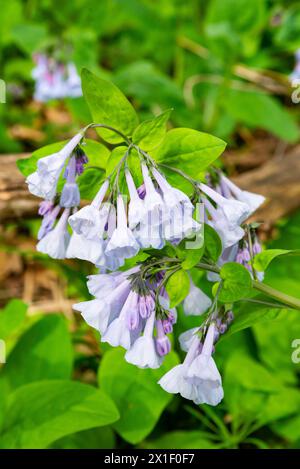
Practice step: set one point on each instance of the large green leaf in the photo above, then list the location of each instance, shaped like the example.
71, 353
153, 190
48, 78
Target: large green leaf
42, 412
259, 110
263, 259
150, 133
29, 165
43, 352
11, 317
248, 314
178, 287
181, 440
108, 106
213, 243
236, 282
136, 393
189, 150
96, 438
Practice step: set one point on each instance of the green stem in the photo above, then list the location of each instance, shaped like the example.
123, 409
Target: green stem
261, 287
108, 127
278, 295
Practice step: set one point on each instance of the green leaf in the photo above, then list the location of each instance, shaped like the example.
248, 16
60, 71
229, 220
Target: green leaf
248, 314
247, 387
260, 110
89, 182
189, 150
237, 282
192, 257
136, 393
11, 317
42, 412
96, 438
213, 243
108, 106
181, 440
96, 152
150, 133
178, 287
29, 165
30, 37
43, 352
263, 259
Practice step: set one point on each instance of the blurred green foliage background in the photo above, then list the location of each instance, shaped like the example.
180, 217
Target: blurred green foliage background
223, 65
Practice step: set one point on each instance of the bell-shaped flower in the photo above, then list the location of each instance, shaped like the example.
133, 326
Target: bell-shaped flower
204, 374
136, 205
175, 381
229, 235
90, 250
186, 338
163, 344
149, 234
146, 305
118, 332
250, 198
48, 221
233, 211
155, 209
40, 187
143, 352
55, 243
50, 167
70, 196
122, 243
196, 302
99, 313
100, 285
87, 221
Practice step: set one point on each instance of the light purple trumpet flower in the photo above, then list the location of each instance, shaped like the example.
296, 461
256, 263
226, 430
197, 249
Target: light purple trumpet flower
90, 250
229, 235
99, 313
143, 352
55, 243
45, 207
186, 338
43, 182
73, 82
101, 285
203, 373
146, 305
122, 244
232, 191
49, 218
136, 205
163, 344
155, 209
233, 211
88, 221
70, 196
123, 330
197, 378
196, 302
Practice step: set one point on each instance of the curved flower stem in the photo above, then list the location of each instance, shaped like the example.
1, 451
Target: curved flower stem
261, 287
108, 127
278, 295
182, 174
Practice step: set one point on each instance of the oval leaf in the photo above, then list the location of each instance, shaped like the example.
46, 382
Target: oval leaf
109, 106
178, 287
136, 393
42, 412
236, 284
190, 150
150, 133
